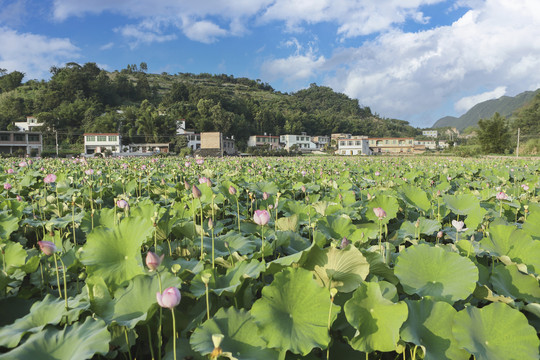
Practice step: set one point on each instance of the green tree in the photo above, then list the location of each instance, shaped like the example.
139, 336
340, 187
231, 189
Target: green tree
494, 135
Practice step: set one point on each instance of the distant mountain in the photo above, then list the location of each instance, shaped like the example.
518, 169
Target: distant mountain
505, 105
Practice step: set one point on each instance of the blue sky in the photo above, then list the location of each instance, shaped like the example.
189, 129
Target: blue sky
416, 60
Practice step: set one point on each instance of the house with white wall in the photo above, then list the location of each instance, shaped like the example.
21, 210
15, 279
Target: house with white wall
353, 145
101, 142
272, 142
302, 141
28, 125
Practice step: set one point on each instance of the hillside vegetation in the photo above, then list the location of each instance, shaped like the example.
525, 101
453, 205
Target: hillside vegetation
144, 107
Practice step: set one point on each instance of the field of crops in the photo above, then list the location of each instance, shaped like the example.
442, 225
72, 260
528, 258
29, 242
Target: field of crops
270, 258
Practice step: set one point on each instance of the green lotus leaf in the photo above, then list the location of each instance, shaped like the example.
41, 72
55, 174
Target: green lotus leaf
115, 254
495, 332
237, 243
415, 197
230, 281
514, 243
387, 203
461, 204
14, 257
376, 319
79, 341
431, 271
50, 310
264, 186
509, 281
378, 267
336, 226
288, 223
430, 325
240, 336
292, 313
343, 269
8, 224
532, 225
103, 217
425, 226
131, 304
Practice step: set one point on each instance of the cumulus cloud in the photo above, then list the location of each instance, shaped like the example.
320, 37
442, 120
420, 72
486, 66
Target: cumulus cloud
203, 31
465, 103
138, 34
33, 54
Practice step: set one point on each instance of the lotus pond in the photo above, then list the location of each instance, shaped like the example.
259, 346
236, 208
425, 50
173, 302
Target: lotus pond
265, 258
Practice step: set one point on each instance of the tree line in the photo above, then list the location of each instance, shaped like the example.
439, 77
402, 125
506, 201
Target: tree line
145, 107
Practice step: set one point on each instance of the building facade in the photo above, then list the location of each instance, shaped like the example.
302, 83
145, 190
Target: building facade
28, 125
101, 142
27, 143
391, 145
321, 141
214, 143
430, 133
303, 142
264, 140
353, 145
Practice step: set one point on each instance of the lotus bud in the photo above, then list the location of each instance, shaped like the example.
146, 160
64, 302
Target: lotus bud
380, 213
49, 179
232, 190
303, 188
153, 261
170, 298
261, 217
344, 243
210, 223
122, 204
440, 234
196, 192
47, 247
186, 185
209, 182
501, 196
265, 196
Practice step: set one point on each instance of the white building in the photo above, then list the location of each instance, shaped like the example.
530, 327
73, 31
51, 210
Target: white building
430, 133
193, 140
100, 142
321, 141
28, 125
303, 142
269, 141
428, 144
353, 145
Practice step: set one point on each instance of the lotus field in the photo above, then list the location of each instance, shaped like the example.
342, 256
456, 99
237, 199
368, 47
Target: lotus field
270, 258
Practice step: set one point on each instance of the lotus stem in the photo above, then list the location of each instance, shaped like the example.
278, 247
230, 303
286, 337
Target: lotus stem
160, 339
207, 302
202, 231
174, 333
127, 342
65, 282
238, 214
57, 276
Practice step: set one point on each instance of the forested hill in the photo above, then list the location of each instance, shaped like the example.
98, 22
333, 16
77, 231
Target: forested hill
145, 107
505, 106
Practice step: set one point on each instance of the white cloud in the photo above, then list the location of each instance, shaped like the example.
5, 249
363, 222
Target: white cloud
143, 34
468, 102
107, 46
33, 54
203, 31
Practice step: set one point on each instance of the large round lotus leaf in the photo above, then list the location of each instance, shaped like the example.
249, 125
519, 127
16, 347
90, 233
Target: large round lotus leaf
495, 332
415, 197
8, 224
514, 243
79, 341
421, 226
343, 269
430, 325
532, 225
50, 310
14, 256
431, 271
227, 282
376, 318
132, 303
336, 226
461, 204
387, 203
509, 281
292, 313
115, 254
240, 336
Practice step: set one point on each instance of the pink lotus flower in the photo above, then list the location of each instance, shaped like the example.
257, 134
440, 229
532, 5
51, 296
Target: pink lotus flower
379, 213
49, 179
7, 186
261, 217
525, 187
23, 164
122, 204
265, 195
10, 171
187, 164
47, 247
202, 180
501, 196
89, 171
170, 298
153, 261
199, 161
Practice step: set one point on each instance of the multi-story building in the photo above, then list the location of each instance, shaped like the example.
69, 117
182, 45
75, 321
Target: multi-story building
193, 141
28, 125
321, 141
430, 133
353, 145
264, 140
303, 142
427, 144
28, 143
214, 143
149, 148
386, 145
101, 142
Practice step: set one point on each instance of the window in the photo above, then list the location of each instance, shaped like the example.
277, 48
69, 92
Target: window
358, 143
386, 141
112, 138
101, 138
4, 137
301, 138
19, 137
33, 137
342, 143
297, 138
90, 138
350, 143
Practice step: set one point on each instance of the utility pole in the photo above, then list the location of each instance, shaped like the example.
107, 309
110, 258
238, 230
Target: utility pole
517, 149
56, 137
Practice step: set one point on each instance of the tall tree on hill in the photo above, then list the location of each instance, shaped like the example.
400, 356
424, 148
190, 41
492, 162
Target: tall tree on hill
528, 118
494, 135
